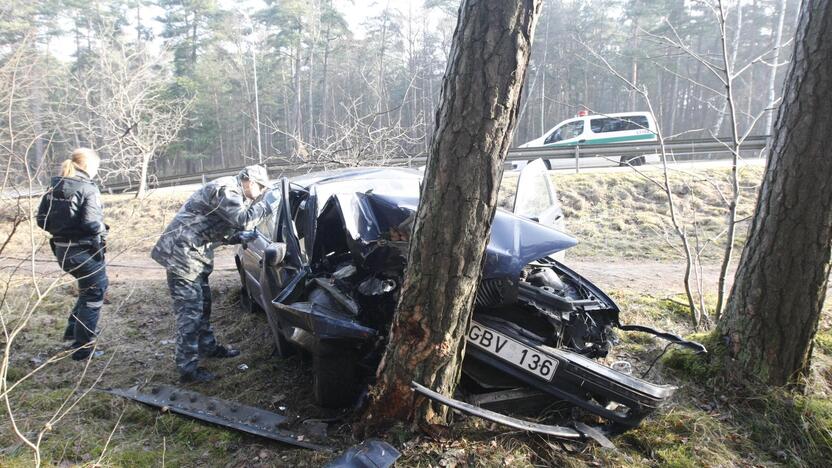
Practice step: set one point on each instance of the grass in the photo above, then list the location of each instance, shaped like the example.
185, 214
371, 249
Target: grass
624, 215
135, 224
614, 215
133, 330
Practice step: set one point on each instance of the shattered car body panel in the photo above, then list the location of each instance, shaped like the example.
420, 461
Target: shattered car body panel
333, 295
224, 413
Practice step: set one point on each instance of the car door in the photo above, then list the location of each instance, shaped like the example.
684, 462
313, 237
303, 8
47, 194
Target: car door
252, 255
279, 277
537, 199
536, 196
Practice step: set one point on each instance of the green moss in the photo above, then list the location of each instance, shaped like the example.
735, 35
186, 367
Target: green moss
699, 368
685, 437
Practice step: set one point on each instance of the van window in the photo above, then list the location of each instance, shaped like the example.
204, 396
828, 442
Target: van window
565, 132
619, 124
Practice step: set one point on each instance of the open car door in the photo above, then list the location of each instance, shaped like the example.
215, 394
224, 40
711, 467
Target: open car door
537, 199
536, 196
283, 267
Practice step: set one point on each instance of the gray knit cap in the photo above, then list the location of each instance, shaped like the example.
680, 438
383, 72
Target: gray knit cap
256, 173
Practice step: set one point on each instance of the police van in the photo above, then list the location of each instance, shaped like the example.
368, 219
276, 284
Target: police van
597, 129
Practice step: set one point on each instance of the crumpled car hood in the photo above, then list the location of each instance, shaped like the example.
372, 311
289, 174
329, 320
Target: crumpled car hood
515, 241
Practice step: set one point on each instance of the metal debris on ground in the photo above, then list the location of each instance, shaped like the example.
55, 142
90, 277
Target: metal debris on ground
224, 413
243, 367
580, 431
372, 453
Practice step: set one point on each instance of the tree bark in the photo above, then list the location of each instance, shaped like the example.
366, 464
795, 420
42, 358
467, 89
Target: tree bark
474, 125
780, 285
772, 78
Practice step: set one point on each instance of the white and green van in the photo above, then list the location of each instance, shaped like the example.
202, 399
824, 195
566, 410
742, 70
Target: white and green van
597, 129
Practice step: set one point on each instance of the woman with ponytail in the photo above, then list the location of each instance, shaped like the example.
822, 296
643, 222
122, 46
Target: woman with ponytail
71, 211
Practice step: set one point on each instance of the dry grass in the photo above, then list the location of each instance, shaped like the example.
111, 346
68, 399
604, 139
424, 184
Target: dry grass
623, 215
135, 224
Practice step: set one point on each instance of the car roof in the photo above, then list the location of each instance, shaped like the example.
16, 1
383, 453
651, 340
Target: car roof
353, 173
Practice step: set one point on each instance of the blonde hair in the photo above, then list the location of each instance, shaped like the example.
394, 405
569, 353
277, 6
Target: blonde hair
79, 159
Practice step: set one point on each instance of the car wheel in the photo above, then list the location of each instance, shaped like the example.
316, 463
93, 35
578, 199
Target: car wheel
334, 380
282, 347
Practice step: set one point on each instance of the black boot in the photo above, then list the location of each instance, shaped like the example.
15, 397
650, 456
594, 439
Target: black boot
83, 353
200, 375
69, 332
222, 352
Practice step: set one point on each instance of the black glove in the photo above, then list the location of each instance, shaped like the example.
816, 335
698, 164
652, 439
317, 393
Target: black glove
240, 237
272, 198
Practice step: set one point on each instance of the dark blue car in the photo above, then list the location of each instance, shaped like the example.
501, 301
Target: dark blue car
327, 268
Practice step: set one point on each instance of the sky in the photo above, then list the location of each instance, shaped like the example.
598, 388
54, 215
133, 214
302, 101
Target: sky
354, 11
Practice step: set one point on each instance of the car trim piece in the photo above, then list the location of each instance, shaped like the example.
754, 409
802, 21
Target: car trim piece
698, 348
528, 426
224, 413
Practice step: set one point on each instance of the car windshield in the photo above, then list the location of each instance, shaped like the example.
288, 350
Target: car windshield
404, 187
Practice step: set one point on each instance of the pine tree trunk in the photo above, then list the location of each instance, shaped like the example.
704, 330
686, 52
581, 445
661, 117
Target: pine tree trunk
780, 285
474, 125
772, 79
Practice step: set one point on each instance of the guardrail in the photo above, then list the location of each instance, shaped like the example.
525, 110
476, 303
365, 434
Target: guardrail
674, 148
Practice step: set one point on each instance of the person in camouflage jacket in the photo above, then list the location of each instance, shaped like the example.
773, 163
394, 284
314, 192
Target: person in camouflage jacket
219, 213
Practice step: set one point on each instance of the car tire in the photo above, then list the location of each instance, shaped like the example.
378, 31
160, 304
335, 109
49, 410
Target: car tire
334, 380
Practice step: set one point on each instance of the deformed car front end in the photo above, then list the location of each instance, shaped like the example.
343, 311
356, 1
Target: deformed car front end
537, 330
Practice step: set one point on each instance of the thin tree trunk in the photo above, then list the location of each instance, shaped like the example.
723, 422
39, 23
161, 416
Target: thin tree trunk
474, 125
733, 201
674, 100
772, 315
725, 102
143, 177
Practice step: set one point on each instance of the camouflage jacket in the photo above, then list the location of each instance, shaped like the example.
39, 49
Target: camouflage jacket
211, 214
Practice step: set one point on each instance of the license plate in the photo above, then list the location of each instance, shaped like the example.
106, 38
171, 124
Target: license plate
511, 350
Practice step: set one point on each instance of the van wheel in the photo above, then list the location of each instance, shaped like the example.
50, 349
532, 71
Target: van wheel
334, 380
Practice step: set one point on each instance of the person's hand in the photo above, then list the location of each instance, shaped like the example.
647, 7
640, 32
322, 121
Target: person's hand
241, 237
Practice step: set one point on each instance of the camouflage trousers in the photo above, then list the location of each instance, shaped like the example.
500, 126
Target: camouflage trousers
192, 307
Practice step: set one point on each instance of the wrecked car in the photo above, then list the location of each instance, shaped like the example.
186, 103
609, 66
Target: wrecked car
327, 268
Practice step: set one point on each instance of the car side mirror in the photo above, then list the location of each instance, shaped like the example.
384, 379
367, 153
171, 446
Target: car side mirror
274, 253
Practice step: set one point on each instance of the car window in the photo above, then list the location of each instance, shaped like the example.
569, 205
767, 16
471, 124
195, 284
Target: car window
619, 124
267, 226
566, 131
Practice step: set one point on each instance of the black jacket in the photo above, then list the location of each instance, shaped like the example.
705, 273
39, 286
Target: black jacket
71, 209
